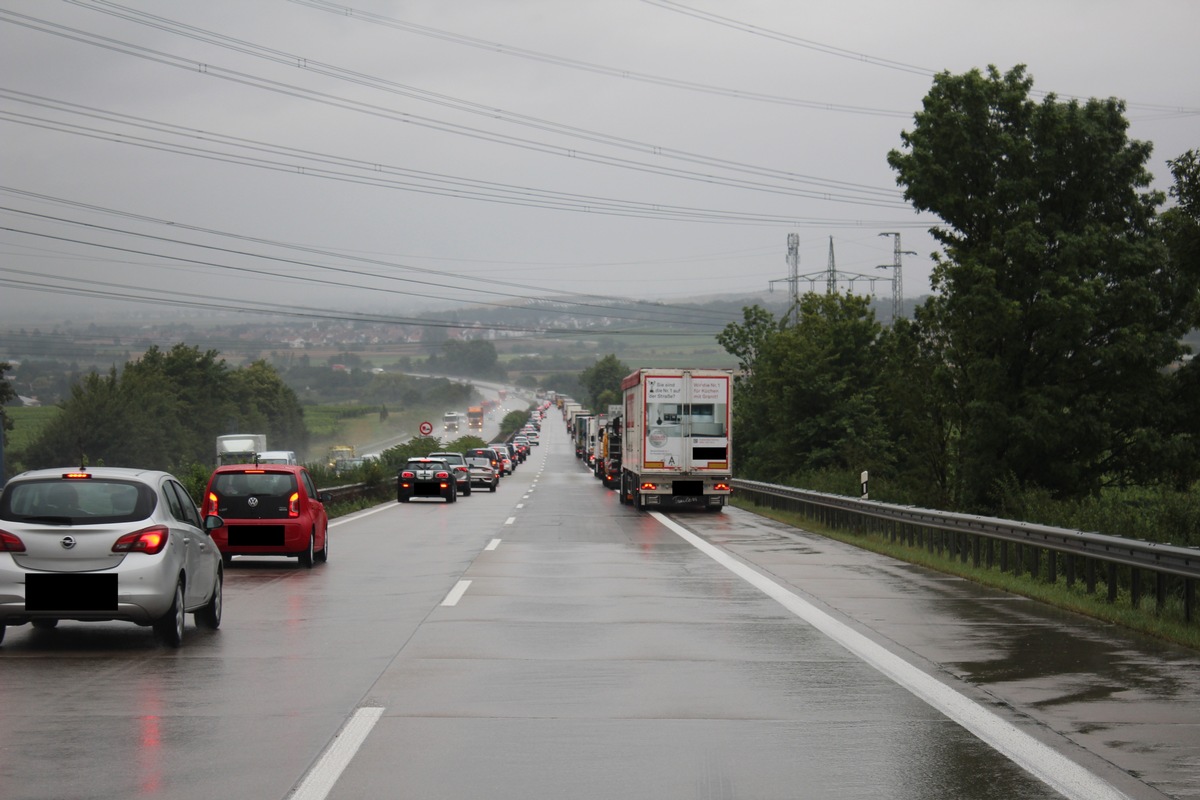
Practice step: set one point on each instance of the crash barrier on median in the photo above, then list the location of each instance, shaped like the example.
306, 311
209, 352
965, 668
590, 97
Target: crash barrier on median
1014, 546
357, 491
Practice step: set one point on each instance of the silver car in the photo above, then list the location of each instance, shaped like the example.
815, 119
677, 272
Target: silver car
103, 544
483, 473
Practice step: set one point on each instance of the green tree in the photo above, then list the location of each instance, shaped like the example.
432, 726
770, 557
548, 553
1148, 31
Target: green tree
1057, 307
7, 393
476, 358
747, 340
1181, 231
602, 382
165, 411
268, 405
808, 403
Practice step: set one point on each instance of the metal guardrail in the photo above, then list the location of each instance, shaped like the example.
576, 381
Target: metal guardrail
354, 491
967, 535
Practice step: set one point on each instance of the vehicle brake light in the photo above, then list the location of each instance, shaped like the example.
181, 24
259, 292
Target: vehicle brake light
294, 505
721, 487
11, 543
210, 504
442, 475
148, 540
74, 476
647, 486
408, 476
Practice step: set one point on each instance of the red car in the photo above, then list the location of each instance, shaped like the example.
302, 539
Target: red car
269, 510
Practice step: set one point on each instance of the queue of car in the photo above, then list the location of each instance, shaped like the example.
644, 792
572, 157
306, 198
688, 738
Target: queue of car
108, 543
124, 544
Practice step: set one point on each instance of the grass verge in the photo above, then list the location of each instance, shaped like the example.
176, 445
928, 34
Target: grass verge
1167, 624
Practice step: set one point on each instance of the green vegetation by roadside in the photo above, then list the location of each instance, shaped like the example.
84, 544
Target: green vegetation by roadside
1168, 624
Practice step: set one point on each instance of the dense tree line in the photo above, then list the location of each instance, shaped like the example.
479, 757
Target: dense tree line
1050, 355
165, 410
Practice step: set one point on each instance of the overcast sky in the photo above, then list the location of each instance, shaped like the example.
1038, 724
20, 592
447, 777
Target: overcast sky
272, 152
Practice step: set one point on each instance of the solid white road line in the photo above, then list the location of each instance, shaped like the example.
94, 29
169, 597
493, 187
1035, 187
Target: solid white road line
456, 593
1043, 762
319, 781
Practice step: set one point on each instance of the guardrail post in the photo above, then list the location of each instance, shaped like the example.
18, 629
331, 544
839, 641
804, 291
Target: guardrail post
1112, 581
1070, 568
1004, 556
1135, 587
1189, 598
1160, 590
1035, 562
1051, 566
1089, 568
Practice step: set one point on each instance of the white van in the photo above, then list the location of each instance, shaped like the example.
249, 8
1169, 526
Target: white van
277, 457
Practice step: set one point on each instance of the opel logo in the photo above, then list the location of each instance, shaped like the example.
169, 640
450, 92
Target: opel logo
252, 502
67, 542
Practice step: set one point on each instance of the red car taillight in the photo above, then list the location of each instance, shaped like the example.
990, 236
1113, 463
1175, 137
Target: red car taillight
408, 476
148, 540
11, 543
210, 505
294, 505
442, 475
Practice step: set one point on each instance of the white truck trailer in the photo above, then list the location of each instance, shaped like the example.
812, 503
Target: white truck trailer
676, 446
240, 448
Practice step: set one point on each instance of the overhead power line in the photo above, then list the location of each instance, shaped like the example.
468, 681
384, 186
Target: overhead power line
839, 191
1167, 111
616, 309
585, 66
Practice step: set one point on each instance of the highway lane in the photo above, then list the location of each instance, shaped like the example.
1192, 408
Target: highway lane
99, 710
595, 652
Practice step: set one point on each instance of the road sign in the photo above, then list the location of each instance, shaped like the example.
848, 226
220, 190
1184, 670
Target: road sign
426, 428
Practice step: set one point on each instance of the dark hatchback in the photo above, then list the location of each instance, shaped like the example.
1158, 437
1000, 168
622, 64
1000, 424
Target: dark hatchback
426, 477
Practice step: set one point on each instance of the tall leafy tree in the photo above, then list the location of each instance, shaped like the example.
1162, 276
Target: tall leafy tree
268, 405
1181, 231
1057, 307
602, 381
810, 404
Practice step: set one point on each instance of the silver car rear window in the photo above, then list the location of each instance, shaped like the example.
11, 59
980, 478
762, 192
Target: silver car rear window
90, 501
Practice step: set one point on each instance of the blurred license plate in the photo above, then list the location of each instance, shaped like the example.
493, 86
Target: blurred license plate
688, 499
65, 592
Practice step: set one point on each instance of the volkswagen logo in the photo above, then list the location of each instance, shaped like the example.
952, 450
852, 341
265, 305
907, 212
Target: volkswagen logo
252, 502
67, 542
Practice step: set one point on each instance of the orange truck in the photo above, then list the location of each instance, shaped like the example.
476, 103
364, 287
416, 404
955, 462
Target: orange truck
475, 418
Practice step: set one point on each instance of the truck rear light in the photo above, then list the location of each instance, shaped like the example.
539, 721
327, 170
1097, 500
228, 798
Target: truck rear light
721, 487
147, 540
648, 486
11, 543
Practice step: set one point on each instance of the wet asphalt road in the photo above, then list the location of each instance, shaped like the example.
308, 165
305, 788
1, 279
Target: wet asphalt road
597, 653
